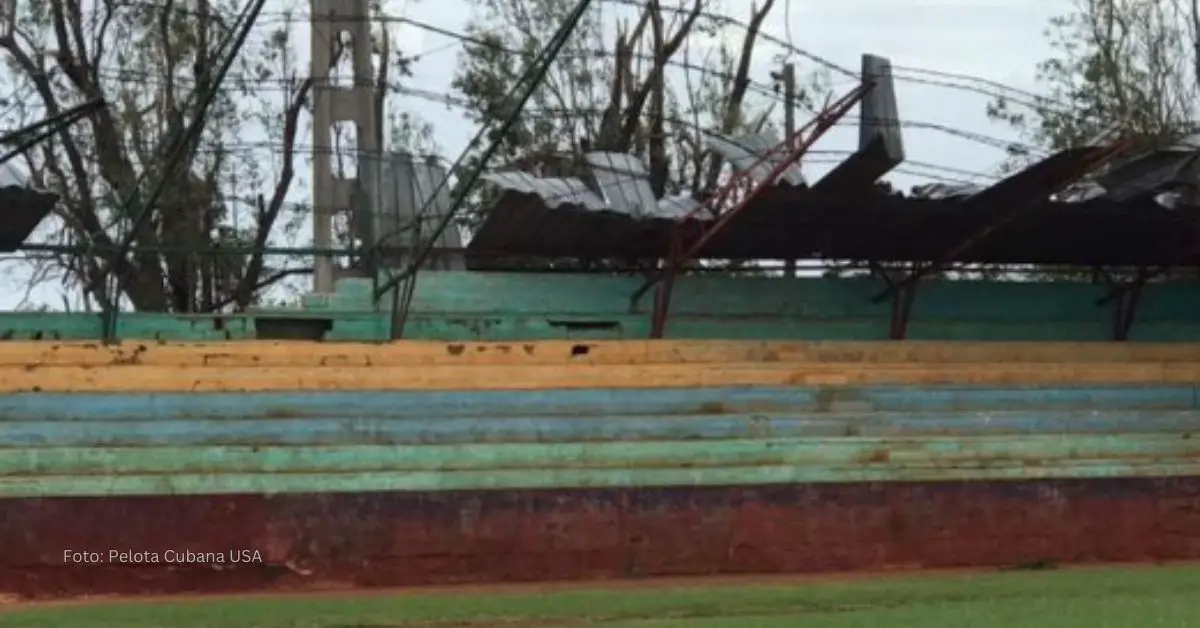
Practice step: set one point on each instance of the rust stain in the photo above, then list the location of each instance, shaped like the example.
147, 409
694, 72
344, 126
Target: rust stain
120, 357
825, 398
280, 412
873, 457
395, 539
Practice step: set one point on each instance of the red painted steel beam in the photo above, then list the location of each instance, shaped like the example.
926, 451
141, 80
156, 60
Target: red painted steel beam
1019, 206
740, 191
1120, 292
1127, 307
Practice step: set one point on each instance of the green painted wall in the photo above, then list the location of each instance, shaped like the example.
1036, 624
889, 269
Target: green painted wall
500, 306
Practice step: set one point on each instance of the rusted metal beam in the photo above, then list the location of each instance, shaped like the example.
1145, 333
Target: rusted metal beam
741, 190
1127, 306
662, 297
902, 302
1144, 276
1023, 196
902, 311
1128, 295
1118, 290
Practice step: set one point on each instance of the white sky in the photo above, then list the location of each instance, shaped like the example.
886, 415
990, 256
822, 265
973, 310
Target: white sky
994, 40
1001, 41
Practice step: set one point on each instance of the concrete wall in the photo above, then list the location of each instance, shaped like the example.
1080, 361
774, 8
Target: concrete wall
499, 306
394, 488
404, 463
209, 444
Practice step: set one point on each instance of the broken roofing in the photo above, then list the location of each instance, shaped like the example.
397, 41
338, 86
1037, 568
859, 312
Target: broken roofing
24, 207
1137, 213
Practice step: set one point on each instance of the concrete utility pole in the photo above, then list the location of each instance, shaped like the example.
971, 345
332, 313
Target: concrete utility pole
338, 27
788, 77
8, 17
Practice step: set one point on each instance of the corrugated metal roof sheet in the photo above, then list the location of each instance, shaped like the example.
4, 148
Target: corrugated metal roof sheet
678, 206
743, 153
844, 215
624, 182
406, 201
552, 191
788, 222
946, 190
24, 207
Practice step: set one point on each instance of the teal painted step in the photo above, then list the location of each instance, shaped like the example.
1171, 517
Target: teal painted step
950, 454
598, 415
501, 306
566, 429
187, 470
277, 483
596, 403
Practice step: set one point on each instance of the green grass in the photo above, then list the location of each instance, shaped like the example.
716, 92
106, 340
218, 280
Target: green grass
1139, 597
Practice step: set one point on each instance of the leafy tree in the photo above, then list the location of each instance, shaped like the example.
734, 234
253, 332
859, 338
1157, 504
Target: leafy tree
641, 87
1131, 64
150, 60
1119, 65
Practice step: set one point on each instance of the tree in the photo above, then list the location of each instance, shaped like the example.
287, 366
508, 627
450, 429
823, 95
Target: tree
1131, 64
1119, 65
150, 61
640, 89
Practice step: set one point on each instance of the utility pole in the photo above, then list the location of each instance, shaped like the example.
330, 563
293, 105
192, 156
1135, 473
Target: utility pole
338, 27
8, 17
788, 77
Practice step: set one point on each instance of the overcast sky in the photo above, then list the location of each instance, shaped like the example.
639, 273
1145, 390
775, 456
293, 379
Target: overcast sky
1000, 41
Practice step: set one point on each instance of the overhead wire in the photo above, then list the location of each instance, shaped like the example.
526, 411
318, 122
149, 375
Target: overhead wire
460, 102
228, 49
517, 97
31, 135
980, 85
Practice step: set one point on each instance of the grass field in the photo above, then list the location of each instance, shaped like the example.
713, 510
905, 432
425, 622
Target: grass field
1092, 598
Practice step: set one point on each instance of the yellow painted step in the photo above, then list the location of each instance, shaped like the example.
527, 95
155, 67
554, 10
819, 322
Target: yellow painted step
144, 378
413, 353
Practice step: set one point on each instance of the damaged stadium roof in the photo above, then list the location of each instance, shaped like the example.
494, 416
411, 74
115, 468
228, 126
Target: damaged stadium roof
24, 205
1139, 213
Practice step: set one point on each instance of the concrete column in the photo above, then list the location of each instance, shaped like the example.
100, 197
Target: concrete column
333, 21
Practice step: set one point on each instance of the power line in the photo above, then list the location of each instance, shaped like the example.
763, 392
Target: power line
228, 49
982, 85
250, 147
992, 89
460, 102
518, 96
